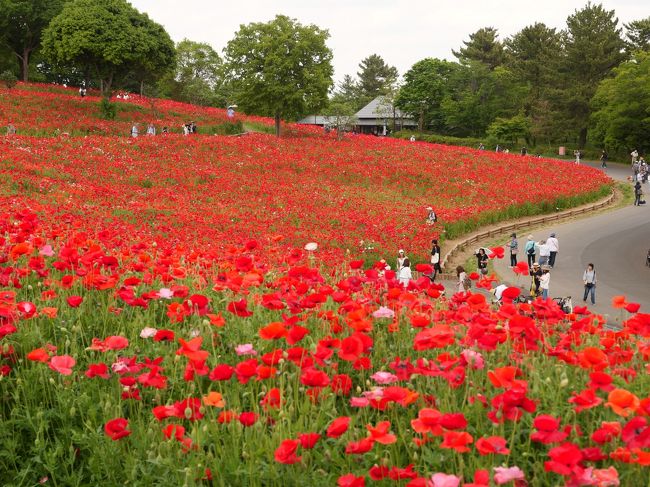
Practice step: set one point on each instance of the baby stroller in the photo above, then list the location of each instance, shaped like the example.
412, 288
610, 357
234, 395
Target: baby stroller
565, 304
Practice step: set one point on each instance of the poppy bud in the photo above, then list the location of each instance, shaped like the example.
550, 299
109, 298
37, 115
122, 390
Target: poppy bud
72, 411
188, 413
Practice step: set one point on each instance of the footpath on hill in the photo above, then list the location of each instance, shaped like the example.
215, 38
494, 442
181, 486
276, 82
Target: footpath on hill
615, 240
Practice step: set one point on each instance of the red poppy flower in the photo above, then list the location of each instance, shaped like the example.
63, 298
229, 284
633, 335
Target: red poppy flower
116, 428
308, 440
286, 452
456, 440
351, 480
239, 308
62, 364
359, 447
74, 301
338, 427
380, 433
492, 445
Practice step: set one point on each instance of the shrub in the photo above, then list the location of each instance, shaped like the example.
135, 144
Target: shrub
108, 110
8, 78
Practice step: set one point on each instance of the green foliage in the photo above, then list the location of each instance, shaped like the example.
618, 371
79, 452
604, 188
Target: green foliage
509, 130
425, 86
622, 119
484, 47
593, 47
348, 92
22, 23
638, 35
375, 78
107, 109
440, 139
8, 78
280, 68
109, 39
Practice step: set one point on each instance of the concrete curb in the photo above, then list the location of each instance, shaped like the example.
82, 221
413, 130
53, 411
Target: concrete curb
510, 227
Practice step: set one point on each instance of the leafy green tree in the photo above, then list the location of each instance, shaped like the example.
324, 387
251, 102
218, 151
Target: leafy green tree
425, 86
348, 92
280, 68
593, 48
509, 130
341, 116
483, 46
108, 39
22, 23
621, 119
638, 35
376, 77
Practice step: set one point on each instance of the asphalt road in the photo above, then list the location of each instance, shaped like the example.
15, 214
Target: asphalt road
616, 242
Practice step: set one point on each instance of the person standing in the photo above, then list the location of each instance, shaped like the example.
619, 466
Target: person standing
535, 274
431, 217
603, 159
524, 151
544, 281
634, 154
514, 248
405, 274
134, 130
482, 261
553, 248
530, 250
637, 193
401, 257
589, 280
577, 154
151, 129
435, 259
544, 252
11, 129
461, 286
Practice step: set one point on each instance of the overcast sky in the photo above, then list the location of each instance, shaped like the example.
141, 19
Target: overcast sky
402, 32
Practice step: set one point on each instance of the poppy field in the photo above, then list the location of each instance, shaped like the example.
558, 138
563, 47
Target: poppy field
212, 310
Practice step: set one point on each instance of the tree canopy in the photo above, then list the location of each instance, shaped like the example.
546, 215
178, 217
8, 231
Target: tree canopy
483, 46
376, 77
109, 39
280, 68
22, 23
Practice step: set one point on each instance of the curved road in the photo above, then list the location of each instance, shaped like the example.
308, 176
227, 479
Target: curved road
616, 242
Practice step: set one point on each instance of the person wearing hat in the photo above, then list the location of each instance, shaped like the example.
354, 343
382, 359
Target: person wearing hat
545, 280
431, 217
530, 250
536, 274
553, 248
514, 248
401, 257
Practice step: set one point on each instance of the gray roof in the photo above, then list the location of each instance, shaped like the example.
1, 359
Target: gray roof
379, 108
314, 120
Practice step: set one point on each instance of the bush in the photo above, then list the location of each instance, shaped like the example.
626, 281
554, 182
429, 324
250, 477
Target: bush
8, 78
108, 110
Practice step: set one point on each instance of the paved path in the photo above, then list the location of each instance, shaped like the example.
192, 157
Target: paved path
616, 242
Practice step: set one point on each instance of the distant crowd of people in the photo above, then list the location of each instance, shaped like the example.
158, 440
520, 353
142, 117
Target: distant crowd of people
187, 128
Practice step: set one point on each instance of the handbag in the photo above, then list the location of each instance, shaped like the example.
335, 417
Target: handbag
435, 258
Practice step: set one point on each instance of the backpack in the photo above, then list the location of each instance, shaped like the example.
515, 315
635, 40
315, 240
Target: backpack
467, 283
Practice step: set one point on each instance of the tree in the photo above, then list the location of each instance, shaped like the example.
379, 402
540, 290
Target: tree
280, 68
621, 119
509, 130
23, 23
593, 48
347, 92
425, 86
341, 116
638, 35
376, 77
109, 39
483, 46
197, 76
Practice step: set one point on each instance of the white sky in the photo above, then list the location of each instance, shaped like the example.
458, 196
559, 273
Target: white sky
402, 32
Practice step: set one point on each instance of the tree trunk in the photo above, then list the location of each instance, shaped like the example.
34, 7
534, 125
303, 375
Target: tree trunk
24, 64
106, 86
582, 138
142, 88
277, 125
421, 121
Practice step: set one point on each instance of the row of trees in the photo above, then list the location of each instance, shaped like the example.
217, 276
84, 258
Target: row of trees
544, 84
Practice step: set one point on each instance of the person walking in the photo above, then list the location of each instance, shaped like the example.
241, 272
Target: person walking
589, 280
638, 192
530, 250
405, 274
544, 281
435, 259
464, 282
603, 159
544, 252
553, 247
514, 248
482, 261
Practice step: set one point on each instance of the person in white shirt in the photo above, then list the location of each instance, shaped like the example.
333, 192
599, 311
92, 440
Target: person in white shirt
405, 273
544, 252
544, 281
401, 257
553, 247
498, 292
